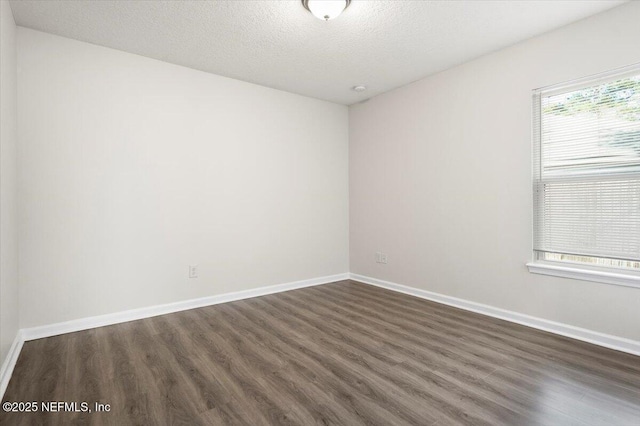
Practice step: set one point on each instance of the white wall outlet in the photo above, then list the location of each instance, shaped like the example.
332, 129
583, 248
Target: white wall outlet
383, 258
193, 271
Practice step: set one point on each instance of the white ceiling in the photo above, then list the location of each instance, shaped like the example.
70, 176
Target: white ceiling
380, 44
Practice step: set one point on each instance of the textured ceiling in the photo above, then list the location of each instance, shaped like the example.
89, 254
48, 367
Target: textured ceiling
380, 44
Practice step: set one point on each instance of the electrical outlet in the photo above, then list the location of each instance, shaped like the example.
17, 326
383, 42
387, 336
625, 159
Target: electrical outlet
383, 258
193, 271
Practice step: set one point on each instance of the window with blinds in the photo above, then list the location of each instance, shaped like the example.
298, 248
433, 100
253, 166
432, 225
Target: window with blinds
586, 171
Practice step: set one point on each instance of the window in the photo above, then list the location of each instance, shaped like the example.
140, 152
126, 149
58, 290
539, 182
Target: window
586, 176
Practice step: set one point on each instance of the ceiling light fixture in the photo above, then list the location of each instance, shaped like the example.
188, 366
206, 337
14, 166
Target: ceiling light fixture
326, 9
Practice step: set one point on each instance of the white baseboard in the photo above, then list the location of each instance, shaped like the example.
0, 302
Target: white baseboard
152, 311
597, 338
10, 362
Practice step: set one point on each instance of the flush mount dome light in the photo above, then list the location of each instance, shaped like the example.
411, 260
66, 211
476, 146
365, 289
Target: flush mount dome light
326, 9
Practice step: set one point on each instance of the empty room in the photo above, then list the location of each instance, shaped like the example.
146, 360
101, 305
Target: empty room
320, 212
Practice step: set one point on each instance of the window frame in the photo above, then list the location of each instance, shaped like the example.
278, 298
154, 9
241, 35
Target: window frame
567, 269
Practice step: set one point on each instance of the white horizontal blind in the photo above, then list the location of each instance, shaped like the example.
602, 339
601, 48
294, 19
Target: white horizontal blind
587, 171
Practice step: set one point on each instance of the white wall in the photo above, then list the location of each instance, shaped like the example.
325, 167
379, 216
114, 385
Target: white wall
8, 183
440, 178
131, 169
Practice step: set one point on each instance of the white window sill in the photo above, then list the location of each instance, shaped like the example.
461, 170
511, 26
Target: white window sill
628, 279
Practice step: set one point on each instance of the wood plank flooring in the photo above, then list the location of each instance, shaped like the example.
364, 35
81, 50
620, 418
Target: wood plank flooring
344, 353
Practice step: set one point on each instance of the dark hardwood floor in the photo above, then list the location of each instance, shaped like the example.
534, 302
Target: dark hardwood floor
344, 353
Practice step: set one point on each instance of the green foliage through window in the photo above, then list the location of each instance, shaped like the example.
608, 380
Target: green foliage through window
621, 97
